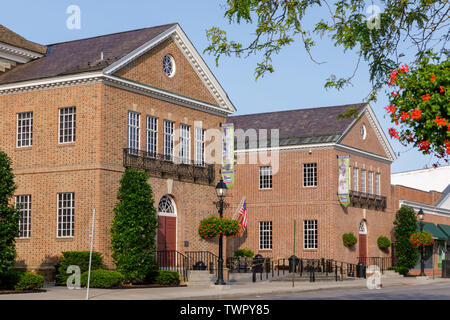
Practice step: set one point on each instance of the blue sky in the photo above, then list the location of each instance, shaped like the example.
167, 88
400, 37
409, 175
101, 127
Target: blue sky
297, 81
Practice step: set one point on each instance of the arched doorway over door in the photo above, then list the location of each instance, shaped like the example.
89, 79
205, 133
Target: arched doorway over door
363, 241
166, 237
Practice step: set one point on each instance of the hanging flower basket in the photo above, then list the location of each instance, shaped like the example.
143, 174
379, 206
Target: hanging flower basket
419, 239
349, 239
383, 242
213, 227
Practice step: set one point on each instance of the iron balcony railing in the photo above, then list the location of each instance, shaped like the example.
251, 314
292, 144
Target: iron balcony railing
363, 198
160, 165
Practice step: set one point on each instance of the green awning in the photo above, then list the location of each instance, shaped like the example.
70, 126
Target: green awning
446, 229
435, 231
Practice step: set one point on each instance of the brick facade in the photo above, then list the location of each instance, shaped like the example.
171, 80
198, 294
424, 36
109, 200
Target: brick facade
92, 166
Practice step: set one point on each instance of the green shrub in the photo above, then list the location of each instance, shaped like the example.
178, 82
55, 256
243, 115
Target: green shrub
77, 258
383, 242
166, 277
244, 253
9, 279
29, 281
102, 279
402, 270
349, 239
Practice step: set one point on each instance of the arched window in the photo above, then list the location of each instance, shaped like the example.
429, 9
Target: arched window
362, 227
166, 206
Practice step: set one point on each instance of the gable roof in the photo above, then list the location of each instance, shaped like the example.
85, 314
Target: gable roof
82, 55
10, 37
117, 50
301, 126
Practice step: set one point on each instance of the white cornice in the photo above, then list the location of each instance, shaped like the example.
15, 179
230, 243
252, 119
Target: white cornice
427, 209
162, 95
21, 55
336, 146
50, 83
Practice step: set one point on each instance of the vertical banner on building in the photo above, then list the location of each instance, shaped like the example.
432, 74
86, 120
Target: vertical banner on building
343, 186
227, 171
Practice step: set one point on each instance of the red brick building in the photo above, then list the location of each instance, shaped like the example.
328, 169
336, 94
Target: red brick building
304, 185
73, 115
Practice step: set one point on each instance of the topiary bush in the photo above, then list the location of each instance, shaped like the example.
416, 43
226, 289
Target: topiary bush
349, 239
244, 253
166, 277
77, 258
102, 279
29, 281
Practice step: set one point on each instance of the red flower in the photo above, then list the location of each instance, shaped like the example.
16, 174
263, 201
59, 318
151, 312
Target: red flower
394, 94
442, 89
416, 114
404, 68
440, 121
424, 145
426, 97
393, 133
391, 108
433, 78
404, 116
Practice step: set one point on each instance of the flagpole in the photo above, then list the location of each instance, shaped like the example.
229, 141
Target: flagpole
295, 260
90, 254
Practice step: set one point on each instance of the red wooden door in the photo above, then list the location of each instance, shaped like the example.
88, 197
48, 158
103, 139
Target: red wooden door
167, 236
363, 248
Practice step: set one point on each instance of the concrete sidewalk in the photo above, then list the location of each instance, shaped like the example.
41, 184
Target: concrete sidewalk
210, 292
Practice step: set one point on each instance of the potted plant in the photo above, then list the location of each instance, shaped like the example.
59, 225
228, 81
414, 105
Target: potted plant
349, 239
383, 242
212, 227
419, 239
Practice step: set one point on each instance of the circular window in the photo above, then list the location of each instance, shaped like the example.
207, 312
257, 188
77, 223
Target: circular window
169, 65
363, 132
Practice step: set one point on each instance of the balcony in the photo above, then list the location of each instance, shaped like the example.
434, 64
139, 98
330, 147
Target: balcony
367, 199
164, 166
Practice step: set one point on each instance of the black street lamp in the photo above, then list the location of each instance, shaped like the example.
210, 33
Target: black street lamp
221, 190
420, 215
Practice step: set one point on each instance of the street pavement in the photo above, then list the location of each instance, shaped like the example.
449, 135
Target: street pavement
392, 288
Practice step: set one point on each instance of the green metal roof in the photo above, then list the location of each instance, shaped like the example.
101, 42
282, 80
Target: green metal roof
446, 229
435, 231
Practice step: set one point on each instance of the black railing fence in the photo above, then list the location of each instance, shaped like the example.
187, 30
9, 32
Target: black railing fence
382, 262
266, 268
167, 165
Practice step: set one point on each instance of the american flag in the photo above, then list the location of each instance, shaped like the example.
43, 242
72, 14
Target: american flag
243, 213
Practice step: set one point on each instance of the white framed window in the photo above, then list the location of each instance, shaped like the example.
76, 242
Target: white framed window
363, 132
168, 140
350, 178
355, 179
363, 180
133, 131
185, 143
310, 234
377, 184
66, 213
265, 235
67, 125
24, 129
370, 182
23, 203
310, 174
152, 136
169, 65
199, 146
265, 177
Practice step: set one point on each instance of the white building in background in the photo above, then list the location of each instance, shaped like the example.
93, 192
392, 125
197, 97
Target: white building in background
432, 179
